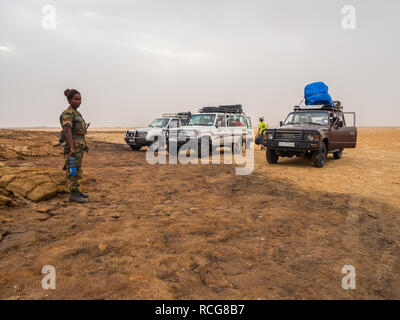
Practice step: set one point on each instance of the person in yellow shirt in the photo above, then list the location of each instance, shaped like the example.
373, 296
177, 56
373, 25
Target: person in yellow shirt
261, 127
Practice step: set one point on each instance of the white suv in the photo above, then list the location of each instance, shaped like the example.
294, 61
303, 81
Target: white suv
148, 136
213, 127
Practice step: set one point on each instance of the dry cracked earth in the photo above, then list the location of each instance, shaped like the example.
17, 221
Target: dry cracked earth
198, 231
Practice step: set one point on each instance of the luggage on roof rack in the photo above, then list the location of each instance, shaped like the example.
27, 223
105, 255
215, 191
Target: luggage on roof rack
316, 93
209, 109
235, 108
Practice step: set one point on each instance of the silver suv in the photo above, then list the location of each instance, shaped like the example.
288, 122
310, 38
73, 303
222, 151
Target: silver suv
213, 127
150, 135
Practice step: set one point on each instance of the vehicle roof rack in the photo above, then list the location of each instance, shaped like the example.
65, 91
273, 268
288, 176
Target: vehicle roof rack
235, 108
177, 115
209, 109
336, 106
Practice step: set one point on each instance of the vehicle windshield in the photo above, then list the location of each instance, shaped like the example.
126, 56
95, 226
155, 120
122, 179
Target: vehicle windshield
317, 118
201, 120
159, 123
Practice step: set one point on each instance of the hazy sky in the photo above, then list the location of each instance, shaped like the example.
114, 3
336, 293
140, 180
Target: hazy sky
133, 60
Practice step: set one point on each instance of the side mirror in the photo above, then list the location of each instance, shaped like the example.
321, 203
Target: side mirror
280, 123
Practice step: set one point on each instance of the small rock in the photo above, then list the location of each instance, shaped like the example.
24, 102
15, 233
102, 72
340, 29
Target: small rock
5, 219
102, 247
43, 209
6, 201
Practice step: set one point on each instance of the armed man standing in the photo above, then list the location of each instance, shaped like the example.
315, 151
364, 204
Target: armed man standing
74, 129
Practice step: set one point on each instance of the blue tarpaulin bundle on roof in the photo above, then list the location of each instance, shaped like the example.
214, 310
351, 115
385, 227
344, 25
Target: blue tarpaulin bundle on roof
317, 93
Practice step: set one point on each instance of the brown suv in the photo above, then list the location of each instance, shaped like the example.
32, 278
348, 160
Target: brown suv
311, 132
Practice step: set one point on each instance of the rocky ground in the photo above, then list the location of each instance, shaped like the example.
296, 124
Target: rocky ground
198, 231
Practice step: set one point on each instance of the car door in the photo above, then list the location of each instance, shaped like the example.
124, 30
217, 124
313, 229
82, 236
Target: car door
243, 125
230, 129
237, 127
342, 136
250, 131
220, 130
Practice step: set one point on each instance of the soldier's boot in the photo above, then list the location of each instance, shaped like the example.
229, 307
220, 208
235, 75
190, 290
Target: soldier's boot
76, 197
83, 195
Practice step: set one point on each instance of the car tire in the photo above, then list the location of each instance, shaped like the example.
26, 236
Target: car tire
155, 146
135, 148
338, 154
271, 155
320, 156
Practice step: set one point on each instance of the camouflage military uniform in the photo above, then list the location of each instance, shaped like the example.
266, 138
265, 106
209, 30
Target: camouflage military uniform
74, 119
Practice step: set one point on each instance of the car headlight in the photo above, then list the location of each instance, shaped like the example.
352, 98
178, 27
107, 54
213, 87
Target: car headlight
311, 137
270, 136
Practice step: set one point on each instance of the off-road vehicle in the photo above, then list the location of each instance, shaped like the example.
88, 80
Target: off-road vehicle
150, 135
214, 127
312, 132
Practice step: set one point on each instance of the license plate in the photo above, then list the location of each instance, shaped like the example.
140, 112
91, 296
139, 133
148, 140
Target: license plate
286, 144
132, 140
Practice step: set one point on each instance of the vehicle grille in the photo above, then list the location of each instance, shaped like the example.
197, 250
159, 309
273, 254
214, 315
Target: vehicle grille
288, 135
130, 134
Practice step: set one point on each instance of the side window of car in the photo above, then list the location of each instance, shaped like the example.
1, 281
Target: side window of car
236, 121
174, 123
221, 121
248, 121
340, 122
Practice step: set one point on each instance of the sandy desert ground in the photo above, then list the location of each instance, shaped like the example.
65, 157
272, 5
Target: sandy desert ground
199, 231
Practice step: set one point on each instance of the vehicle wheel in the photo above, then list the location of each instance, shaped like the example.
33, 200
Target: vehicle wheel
135, 148
320, 156
338, 154
272, 157
238, 147
203, 149
155, 146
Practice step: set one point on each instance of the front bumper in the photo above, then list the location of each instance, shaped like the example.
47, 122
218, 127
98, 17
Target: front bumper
299, 146
137, 141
